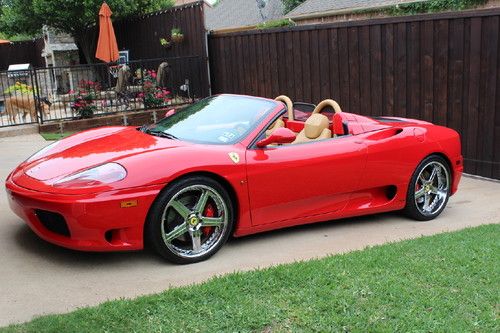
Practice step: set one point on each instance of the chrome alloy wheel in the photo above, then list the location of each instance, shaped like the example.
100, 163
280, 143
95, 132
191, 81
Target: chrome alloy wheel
194, 221
432, 188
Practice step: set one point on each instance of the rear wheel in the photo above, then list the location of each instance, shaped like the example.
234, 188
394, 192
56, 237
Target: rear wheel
191, 220
429, 189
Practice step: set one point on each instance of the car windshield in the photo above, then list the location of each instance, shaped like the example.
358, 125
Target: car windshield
223, 119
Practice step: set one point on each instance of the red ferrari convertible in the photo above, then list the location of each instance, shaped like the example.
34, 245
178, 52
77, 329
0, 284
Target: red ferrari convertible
231, 165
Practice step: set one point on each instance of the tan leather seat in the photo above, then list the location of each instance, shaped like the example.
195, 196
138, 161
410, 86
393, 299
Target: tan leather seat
277, 124
315, 128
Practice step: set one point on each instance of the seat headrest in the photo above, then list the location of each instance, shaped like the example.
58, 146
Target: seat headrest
277, 124
315, 124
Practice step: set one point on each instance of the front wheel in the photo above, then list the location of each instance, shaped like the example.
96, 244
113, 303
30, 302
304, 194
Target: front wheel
429, 189
190, 220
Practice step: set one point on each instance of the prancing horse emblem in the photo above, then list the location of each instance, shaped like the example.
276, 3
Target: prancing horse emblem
193, 221
234, 157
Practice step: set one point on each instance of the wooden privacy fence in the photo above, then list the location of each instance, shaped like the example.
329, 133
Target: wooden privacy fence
443, 68
141, 35
28, 52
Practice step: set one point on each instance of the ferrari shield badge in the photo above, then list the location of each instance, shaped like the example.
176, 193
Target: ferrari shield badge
234, 157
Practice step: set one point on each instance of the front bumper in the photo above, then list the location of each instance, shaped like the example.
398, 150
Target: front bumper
96, 222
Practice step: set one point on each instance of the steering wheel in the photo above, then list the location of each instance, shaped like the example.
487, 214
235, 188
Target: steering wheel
325, 103
289, 105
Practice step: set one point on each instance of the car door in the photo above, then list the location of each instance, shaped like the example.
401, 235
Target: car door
292, 182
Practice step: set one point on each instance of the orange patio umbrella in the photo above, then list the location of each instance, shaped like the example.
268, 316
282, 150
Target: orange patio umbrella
107, 49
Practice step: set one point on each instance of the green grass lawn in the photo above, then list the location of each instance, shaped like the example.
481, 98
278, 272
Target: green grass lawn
56, 136
444, 283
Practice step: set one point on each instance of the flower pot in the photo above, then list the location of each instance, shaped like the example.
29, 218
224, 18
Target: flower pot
177, 38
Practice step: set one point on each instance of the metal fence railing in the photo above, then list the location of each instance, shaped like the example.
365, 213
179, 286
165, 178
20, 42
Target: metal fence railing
17, 98
85, 91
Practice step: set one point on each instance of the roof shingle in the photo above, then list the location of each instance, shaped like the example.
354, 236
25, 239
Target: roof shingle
238, 13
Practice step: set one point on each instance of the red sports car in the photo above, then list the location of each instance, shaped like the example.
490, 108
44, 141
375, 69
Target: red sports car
231, 165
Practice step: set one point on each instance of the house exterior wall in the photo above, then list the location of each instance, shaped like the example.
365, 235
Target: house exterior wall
346, 16
183, 2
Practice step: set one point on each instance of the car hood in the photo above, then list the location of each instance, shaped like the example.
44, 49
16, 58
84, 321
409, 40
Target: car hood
92, 148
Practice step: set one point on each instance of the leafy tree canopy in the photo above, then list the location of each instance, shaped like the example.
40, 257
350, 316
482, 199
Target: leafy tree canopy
70, 16
20, 17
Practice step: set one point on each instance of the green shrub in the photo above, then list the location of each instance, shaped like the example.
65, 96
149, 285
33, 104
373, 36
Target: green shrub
19, 88
276, 24
433, 6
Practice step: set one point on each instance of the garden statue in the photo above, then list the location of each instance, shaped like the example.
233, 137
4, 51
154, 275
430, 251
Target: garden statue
121, 85
163, 73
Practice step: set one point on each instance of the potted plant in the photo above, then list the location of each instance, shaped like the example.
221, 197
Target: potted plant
83, 106
165, 43
84, 101
177, 35
153, 95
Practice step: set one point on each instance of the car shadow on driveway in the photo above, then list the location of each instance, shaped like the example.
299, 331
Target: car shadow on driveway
29, 242
36, 247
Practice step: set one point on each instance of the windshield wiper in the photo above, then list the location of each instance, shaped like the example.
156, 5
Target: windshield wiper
161, 134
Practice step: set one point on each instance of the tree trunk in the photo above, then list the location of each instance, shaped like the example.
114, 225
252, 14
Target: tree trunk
86, 42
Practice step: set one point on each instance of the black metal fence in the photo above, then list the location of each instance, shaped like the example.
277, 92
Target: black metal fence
85, 91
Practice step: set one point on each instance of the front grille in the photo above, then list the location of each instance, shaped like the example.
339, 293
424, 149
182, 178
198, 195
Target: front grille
54, 222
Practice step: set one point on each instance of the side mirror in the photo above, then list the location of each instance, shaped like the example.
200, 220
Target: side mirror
279, 135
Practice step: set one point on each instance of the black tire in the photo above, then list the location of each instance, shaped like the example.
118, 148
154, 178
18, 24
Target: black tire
417, 202
162, 216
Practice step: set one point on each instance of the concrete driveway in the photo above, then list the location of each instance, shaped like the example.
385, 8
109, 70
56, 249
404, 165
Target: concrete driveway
38, 278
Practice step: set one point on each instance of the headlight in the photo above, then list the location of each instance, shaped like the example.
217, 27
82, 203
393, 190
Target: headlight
103, 174
42, 151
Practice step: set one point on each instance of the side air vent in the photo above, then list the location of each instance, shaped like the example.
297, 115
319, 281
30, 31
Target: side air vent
390, 192
385, 133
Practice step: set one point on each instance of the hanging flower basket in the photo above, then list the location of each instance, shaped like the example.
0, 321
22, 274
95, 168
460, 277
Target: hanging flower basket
177, 35
166, 43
